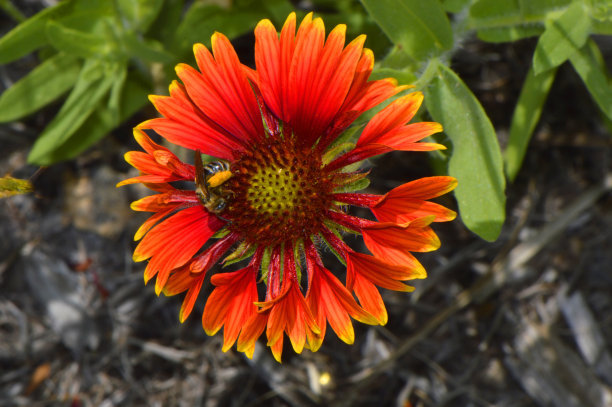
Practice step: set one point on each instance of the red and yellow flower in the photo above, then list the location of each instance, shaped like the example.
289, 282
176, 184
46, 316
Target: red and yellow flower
290, 184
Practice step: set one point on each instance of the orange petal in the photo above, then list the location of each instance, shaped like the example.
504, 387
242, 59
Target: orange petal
174, 241
408, 201
291, 315
403, 138
330, 301
398, 113
231, 304
268, 62
409, 237
277, 349
215, 98
380, 273
179, 281
253, 328
303, 73
235, 86
369, 297
162, 202
190, 298
152, 221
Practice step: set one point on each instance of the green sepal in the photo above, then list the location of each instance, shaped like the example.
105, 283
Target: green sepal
297, 258
355, 181
265, 264
242, 252
335, 151
334, 229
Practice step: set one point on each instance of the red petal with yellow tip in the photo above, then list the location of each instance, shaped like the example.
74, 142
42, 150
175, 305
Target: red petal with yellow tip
174, 241
378, 272
231, 304
330, 301
409, 201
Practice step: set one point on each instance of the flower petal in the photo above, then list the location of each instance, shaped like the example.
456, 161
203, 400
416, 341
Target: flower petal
330, 301
174, 241
408, 201
414, 236
252, 329
369, 297
221, 91
232, 303
380, 273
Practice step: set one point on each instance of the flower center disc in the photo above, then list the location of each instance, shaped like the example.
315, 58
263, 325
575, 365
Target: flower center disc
279, 193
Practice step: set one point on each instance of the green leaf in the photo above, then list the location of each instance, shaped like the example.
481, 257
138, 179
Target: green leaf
510, 34
476, 159
589, 64
114, 99
495, 13
201, 21
403, 77
45, 83
601, 27
75, 42
102, 121
30, 35
500, 21
12, 11
525, 118
78, 107
563, 36
455, 6
140, 13
166, 22
27, 36
146, 49
421, 28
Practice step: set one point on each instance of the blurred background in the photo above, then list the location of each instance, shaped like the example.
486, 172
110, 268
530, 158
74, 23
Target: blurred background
517, 314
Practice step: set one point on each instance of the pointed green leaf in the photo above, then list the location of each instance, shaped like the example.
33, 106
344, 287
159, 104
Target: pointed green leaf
75, 42
476, 159
102, 121
78, 107
114, 100
47, 82
146, 49
525, 118
563, 36
30, 35
501, 21
455, 6
589, 64
167, 22
27, 36
510, 34
12, 11
140, 13
421, 28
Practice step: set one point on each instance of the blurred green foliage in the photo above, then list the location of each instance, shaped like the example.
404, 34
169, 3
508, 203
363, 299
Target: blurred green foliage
106, 56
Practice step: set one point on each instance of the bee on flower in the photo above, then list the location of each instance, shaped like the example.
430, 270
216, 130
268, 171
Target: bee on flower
279, 193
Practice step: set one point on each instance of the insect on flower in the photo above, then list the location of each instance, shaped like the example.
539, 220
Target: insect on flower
281, 191
210, 180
